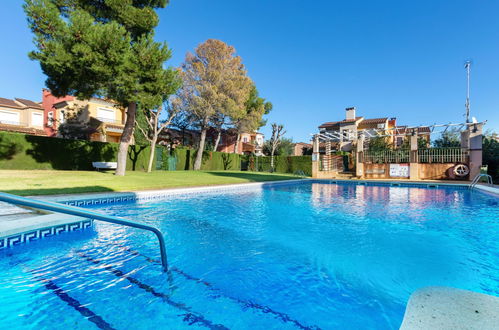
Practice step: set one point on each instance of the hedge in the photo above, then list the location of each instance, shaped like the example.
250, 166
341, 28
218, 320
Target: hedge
282, 164
28, 152
212, 161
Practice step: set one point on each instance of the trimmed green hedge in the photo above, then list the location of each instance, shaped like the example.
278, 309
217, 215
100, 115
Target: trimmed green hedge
29, 152
212, 161
283, 164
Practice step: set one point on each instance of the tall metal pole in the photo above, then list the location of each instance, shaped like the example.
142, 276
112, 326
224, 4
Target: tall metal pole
467, 66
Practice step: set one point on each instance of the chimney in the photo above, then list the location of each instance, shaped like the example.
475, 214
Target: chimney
350, 112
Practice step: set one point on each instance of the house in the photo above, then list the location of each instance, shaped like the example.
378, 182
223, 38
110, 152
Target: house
99, 119
346, 132
249, 143
302, 148
22, 116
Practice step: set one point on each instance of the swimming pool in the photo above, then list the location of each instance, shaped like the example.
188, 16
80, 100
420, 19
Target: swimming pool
304, 255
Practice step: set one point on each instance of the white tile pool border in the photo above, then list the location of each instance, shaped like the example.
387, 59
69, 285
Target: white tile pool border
27, 229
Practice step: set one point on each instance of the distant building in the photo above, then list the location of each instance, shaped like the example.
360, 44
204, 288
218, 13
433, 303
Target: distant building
249, 143
104, 120
347, 131
22, 116
302, 148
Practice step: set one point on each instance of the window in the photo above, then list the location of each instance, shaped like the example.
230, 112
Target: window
7, 117
50, 118
345, 134
245, 139
62, 117
37, 119
106, 115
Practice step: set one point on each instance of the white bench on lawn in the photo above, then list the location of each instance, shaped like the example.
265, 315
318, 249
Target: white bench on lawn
105, 165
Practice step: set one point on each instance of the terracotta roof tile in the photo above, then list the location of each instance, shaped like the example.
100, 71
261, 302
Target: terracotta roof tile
344, 121
374, 121
29, 103
9, 103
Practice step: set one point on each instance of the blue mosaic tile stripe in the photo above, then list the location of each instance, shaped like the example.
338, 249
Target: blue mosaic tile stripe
34, 235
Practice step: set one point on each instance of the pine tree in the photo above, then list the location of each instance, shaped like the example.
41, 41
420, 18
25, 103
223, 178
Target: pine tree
103, 48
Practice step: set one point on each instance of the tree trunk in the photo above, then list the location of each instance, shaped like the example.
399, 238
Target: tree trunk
151, 154
217, 141
126, 138
272, 161
199, 155
236, 147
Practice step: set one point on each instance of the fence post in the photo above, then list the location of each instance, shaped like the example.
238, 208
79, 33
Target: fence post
315, 157
414, 165
359, 161
475, 147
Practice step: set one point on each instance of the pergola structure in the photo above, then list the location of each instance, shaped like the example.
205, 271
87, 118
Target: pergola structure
337, 136
469, 152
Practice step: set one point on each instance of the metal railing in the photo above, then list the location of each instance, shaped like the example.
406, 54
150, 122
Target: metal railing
386, 156
14, 123
477, 179
71, 210
110, 121
442, 155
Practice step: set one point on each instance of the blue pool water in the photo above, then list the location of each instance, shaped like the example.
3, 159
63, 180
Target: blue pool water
294, 256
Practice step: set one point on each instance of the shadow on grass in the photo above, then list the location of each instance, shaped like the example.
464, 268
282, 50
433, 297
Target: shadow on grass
57, 191
254, 177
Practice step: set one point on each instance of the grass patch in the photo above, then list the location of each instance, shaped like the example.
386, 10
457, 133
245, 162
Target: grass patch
50, 182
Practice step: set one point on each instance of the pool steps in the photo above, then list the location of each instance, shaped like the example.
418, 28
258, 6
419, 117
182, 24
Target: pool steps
75, 211
245, 304
187, 314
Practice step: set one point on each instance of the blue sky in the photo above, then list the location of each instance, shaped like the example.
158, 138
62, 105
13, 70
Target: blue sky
312, 59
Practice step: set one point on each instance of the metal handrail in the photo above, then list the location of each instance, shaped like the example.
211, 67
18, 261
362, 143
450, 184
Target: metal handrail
478, 177
71, 210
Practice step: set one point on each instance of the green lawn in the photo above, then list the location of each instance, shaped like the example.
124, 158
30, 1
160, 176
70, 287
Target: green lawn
46, 182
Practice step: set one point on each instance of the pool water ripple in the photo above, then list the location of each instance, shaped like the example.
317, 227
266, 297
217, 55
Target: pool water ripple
308, 256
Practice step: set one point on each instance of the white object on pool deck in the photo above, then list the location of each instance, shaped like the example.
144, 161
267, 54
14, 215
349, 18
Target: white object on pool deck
450, 308
105, 165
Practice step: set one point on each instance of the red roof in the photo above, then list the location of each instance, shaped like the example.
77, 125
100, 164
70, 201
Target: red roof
375, 121
344, 121
9, 103
403, 130
29, 103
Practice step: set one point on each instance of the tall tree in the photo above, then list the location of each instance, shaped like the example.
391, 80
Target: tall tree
277, 133
214, 83
102, 48
252, 119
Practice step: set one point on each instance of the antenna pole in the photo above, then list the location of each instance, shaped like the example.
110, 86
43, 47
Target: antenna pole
467, 66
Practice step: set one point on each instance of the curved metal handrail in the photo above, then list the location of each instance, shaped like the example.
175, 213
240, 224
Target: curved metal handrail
477, 178
72, 210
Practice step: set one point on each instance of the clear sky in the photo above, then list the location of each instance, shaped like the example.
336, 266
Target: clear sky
312, 59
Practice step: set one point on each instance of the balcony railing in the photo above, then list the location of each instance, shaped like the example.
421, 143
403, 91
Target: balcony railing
110, 121
16, 123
